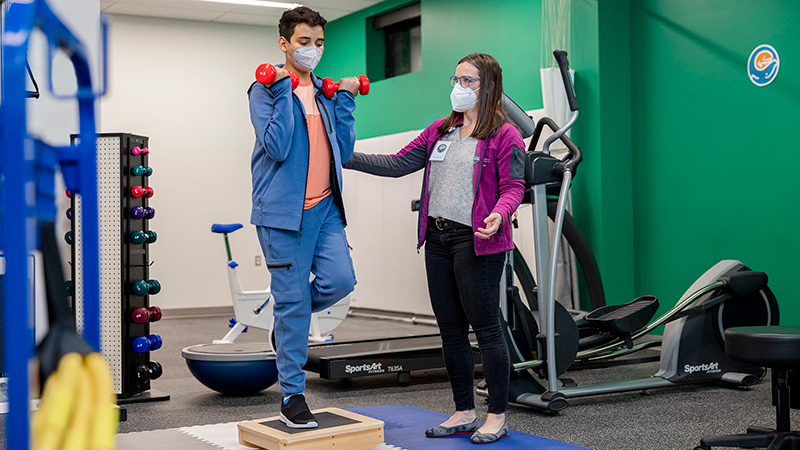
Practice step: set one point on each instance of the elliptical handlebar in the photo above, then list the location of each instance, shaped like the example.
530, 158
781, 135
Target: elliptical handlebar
559, 132
574, 157
563, 66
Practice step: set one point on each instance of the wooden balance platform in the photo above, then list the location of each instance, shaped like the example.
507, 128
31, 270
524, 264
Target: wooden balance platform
338, 429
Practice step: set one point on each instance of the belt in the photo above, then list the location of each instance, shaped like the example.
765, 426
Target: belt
443, 224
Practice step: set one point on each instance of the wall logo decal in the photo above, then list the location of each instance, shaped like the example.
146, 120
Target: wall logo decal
763, 65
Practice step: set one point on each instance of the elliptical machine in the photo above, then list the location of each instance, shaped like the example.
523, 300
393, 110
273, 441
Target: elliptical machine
545, 340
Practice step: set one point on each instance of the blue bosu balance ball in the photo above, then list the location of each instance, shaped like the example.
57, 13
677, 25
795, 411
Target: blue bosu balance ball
238, 368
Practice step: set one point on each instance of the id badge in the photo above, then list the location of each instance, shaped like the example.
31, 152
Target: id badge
440, 151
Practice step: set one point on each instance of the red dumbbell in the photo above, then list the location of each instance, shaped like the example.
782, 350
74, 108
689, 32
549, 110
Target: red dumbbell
266, 73
144, 315
69, 194
147, 191
329, 87
137, 191
140, 315
155, 313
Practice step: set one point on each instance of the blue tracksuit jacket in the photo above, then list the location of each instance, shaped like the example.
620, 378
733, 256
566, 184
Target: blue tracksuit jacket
280, 157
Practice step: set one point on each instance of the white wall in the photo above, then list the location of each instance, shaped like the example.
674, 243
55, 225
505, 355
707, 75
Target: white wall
382, 230
184, 85
383, 233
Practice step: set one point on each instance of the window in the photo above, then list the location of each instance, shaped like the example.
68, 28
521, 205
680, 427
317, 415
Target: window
394, 43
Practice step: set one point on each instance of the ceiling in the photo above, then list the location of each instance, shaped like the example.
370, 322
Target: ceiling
207, 11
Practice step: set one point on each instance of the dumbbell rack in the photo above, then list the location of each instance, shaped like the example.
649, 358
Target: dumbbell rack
124, 265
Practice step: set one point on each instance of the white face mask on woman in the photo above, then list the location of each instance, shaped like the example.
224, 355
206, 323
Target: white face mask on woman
306, 58
463, 98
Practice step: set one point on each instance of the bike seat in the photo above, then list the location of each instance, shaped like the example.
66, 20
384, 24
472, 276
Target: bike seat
225, 228
624, 319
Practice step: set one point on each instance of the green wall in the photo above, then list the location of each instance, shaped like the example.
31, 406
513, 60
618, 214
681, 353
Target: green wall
686, 161
602, 199
509, 30
715, 157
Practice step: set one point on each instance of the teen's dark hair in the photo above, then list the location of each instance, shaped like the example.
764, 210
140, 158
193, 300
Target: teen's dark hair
302, 14
491, 112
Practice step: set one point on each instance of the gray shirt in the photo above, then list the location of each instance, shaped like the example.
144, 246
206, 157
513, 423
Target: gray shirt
451, 181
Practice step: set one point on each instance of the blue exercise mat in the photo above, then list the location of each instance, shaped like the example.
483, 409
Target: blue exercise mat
405, 427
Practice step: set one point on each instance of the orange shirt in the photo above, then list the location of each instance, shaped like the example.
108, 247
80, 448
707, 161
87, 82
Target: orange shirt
318, 184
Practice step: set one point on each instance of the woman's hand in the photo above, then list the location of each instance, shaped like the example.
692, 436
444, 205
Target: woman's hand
493, 223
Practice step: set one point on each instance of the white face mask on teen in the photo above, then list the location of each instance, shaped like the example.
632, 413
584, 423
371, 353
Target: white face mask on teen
306, 58
463, 98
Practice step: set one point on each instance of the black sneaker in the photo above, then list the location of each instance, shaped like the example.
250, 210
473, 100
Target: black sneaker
295, 413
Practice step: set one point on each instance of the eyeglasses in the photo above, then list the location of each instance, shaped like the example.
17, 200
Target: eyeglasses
464, 81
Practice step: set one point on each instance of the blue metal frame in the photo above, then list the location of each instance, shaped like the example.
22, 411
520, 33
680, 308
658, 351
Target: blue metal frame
20, 155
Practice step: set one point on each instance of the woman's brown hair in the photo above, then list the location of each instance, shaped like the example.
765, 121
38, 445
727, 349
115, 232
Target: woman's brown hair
491, 113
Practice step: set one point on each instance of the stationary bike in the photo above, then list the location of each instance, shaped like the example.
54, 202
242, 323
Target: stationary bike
545, 340
254, 308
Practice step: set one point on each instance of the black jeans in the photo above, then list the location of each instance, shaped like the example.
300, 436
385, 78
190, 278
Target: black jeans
464, 290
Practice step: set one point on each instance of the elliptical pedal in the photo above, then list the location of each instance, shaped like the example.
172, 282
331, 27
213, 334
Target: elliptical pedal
623, 320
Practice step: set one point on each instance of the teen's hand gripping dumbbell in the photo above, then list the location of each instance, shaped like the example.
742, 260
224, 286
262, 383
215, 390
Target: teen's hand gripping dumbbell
346, 84
267, 74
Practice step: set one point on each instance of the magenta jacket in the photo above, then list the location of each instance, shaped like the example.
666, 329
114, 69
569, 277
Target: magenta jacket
498, 179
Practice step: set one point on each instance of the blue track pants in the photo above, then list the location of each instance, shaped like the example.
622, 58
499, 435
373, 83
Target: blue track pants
321, 249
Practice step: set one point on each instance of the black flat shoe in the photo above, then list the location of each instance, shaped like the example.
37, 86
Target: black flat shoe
488, 438
442, 431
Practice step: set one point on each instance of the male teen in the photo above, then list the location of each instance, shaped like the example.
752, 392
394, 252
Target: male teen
302, 139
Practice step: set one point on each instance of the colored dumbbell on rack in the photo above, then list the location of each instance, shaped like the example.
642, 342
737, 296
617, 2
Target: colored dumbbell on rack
140, 151
155, 313
140, 287
266, 74
146, 372
142, 212
136, 213
144, 287
141, 191
153, 287
155, 369
68, 237
69, 194
150, 236
137, 237
143, 344
139, 170
329, 87
144, 315
69, 213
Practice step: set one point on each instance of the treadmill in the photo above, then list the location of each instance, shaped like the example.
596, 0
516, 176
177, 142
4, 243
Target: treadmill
398, 355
